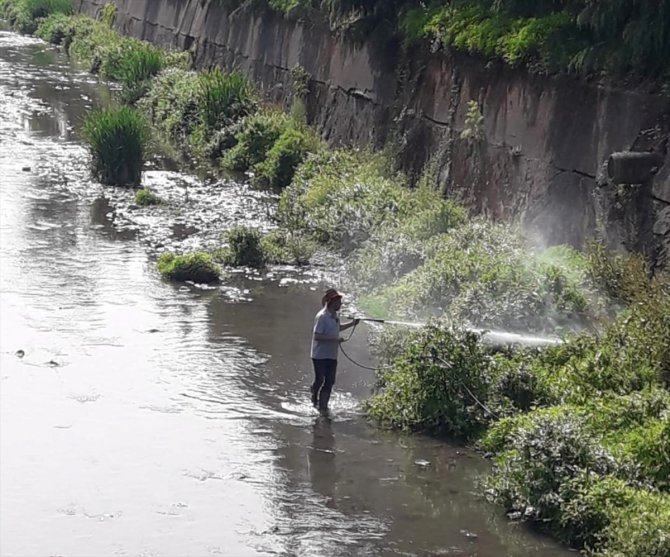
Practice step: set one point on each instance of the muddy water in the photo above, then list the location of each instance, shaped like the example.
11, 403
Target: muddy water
144, 418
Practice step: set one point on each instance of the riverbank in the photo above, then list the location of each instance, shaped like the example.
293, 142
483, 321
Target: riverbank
486, 275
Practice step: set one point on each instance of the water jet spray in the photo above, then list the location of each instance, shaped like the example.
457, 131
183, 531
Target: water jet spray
493, 338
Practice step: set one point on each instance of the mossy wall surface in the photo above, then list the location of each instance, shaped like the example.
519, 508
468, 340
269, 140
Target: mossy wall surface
545, 139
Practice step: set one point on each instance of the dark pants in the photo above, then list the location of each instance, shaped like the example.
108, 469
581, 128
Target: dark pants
324, 379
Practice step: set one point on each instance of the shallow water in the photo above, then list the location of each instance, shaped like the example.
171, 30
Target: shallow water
143, 418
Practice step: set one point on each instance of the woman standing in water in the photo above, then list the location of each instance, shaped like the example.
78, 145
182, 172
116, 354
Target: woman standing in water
325, 346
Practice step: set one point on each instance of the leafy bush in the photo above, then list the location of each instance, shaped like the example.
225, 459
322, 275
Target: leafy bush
648, 446
557, 473
131, 61
196, 267
548, 451
108, 16
117, 137
640, 528
287, 153
621, 276
289, 248
244, 248
55, 28
585, 36
88, 42
398, 248
257, 136
440, 384
146, 197
340, 198
172, 104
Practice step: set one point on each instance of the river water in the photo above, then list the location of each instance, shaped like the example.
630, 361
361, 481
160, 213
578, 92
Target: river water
144, 418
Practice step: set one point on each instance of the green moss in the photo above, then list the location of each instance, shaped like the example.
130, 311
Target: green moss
196, 267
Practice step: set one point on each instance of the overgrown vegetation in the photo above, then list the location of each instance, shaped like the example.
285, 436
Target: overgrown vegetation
24, 15
616, 38
197, 267
195, 110
117, 138
581, 430
94, 46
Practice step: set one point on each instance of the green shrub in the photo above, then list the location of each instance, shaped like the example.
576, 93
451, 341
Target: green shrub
132, 61
640, 528
623, 277
178, 59
146, 197
340, 198
648, 446
257, 136
485, 275
586, 36
440, 384
244, 248
577, 470
116, 137
546, 453
55, 28
631, 354
196, 267
192, 109
291, 248
89, 41
172, 104
400, 247
287, 153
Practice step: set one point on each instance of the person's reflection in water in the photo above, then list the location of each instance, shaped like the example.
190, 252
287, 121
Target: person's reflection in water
322, 467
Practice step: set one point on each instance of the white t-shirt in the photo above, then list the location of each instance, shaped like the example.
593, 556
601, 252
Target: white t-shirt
325, 323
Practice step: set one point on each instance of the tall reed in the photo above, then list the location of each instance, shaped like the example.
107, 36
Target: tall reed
117, 139
223, 97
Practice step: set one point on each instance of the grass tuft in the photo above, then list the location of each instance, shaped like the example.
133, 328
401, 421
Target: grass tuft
117, 138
